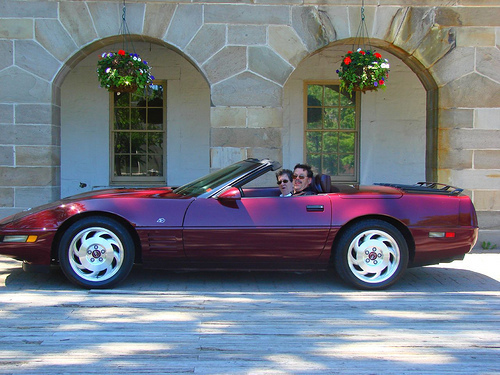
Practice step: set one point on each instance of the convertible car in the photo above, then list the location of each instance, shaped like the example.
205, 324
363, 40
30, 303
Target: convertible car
368, 234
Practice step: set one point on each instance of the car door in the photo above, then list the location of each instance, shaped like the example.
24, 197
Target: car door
257, 230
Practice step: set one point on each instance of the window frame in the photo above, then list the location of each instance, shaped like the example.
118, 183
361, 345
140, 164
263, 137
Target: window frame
139, 180
357, 108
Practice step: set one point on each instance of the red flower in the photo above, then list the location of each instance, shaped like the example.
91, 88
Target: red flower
377, 55
121, 52
381, 82
347, 60
349, 52
362, 52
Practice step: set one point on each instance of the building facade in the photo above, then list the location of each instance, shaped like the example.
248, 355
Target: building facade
249, 79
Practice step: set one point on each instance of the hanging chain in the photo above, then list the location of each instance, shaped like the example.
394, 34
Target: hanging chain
362, 39
125, 32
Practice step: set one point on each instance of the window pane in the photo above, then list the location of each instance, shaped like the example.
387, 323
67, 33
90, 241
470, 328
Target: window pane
348, 118
331, 118
314, 160
313, 140
330, 141
346, 142
155, 165
346, 100
155, 143
331, 96
315, 95
138, 143
122, 143
314, 118
121, 100
122, 165
155, 118
138, 119
138, 166
346, 164
122, 118
330, 164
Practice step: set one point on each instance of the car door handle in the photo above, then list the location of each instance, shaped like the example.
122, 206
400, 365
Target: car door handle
315, 208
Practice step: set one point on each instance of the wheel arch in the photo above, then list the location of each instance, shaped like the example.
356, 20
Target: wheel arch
388, 219
73, 219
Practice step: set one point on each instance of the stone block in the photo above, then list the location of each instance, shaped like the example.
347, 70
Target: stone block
76, 19
384, 19
456, 64
247, 14
339, 18
475, 179
52, 35
487, 118
16, 28
7, 156
455, 159
6, 53
6, 113
226, 63
474, 139
33, 9
488, 62
157, 19
487, 159
33, 156
489, 220
456, 118
23, 87
475, 37
33, 114
469, 92
36, 135
107, 17
313, 27
487, 200
35, 59
265, 62
207, 42
415, 26
436, 44
228, 117
6, 197
246, 35
247, 89
28, 176
221, 157
8, 211
265, 117
36, 196
265, 153
186, 22
285, 41
468, 16
240, 138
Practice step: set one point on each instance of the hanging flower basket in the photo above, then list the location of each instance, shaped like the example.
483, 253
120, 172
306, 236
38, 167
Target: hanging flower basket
123, 72
363, 71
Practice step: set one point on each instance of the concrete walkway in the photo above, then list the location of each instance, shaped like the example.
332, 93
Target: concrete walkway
437, 320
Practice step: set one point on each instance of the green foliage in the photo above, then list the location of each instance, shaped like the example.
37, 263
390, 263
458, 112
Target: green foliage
363, 70
488, 246
123, 70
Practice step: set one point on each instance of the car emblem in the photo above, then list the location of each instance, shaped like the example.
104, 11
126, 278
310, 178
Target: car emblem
160, 220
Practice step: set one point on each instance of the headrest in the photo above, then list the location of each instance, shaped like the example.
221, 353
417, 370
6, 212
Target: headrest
322, 183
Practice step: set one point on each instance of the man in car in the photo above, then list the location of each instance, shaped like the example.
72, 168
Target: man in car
302, 179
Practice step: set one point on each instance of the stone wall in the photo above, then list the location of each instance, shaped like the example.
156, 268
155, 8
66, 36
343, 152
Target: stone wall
246, 51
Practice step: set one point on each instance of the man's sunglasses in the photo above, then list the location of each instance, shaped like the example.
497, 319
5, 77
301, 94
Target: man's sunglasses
282, 182
299, 177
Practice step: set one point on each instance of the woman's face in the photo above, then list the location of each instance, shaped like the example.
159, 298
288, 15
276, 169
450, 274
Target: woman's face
285, 185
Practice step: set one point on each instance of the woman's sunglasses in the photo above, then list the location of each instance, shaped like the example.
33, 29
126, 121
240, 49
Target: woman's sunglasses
282, 182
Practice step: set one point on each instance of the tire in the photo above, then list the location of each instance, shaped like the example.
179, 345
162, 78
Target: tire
96, 252
371, 255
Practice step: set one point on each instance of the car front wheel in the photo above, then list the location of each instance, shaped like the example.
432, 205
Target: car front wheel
96, 252
371, 254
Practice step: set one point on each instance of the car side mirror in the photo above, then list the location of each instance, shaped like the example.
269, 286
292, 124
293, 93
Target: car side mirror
231, 194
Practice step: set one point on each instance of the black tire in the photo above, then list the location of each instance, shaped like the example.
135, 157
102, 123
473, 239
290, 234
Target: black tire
96, 252
371, 255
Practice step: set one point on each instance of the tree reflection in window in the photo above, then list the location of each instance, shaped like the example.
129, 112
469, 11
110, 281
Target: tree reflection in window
138, 134
331, 133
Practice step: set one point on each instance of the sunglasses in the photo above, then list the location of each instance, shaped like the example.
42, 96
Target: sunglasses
282, 182
299, 177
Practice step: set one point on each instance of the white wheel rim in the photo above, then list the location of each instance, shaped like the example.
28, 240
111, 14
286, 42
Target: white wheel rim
373, 256
96, 254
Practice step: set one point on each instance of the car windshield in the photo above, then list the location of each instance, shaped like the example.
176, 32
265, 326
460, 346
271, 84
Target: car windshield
215, 179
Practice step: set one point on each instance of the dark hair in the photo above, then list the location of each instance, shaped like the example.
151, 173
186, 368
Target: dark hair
305, 167
288, 172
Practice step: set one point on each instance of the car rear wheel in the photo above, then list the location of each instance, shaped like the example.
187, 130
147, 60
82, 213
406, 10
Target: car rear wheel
96, 252
371, 254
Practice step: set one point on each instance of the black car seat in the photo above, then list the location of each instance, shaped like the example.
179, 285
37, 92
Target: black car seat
322, 183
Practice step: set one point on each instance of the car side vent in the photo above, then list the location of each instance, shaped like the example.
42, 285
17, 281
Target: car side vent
426, 188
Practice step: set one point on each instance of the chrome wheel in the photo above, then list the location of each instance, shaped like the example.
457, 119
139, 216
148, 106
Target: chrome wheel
96, 254
370, 254
373, 256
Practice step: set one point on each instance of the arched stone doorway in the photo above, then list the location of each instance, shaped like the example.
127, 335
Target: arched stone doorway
86, 116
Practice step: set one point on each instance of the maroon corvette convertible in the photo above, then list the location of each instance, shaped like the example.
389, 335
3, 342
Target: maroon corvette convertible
368, 234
